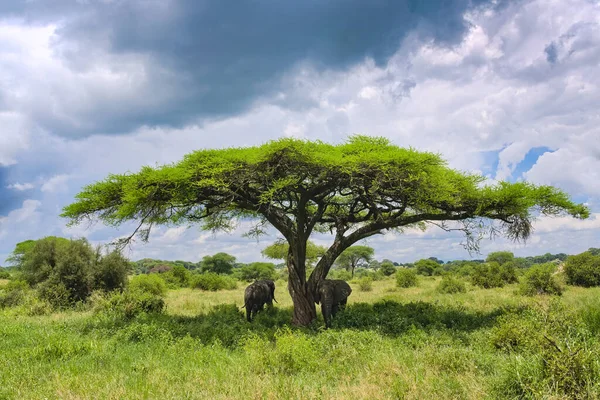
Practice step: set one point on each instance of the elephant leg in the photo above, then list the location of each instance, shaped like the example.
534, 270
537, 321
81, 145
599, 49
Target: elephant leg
326, 311
249, 313
334, 309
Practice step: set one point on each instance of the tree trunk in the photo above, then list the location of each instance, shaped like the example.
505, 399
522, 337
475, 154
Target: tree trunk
305, 311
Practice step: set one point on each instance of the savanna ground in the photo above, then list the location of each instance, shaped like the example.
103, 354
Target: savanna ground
390, 343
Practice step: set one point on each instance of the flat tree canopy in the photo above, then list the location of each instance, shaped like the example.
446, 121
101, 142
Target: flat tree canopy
354, 190
353, 256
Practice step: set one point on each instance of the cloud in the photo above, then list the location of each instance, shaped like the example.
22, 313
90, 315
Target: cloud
55, 183
20, 186
485, 98
186, 61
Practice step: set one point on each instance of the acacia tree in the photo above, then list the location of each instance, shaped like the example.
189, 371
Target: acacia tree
354, 256
280, 249
354, 190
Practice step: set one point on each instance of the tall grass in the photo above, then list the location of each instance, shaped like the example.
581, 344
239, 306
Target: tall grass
389, 343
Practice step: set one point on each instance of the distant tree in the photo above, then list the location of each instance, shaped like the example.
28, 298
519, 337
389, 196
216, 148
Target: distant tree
387, 268
583, 270
16, 257
437, 260
257, 270
427, 267
220, 263
355, 256
500, 257
374, 264
280, 250
594, 251
356, 189
160, 269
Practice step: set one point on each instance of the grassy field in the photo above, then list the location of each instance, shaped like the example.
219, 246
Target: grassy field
390, 343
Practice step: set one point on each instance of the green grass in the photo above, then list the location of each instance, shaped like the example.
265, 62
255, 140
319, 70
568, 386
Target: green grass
390, 343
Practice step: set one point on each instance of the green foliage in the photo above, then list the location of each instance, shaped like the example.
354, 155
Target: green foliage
365, 284
220, 263
355, 256
65, 272
128, 304
110, 272
387, 268
13, 294
583, 270
4, 274
451, 285
177, 277
257, 270
508, 272
152, 284
279, 251
540, 279
406, 278
212, 282
553, 355
488, 275
428, 267
501, 257
16, 257
340, 274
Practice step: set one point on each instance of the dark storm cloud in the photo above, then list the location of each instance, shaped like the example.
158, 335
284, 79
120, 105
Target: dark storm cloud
210, 59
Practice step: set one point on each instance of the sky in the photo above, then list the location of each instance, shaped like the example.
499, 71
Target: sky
506, 88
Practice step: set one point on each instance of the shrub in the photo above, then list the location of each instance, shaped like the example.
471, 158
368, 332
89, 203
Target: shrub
428, 267
213, 282
387, 268
406, 278
539, 279
508, 272
110, 272
257, 270
365, 284
583, 270
13, 294
451, 285
487, 275
177, 277
128, 304
4, 274
340, 274
152, 284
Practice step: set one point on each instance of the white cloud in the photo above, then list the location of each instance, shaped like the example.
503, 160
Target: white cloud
56, 183
20, 186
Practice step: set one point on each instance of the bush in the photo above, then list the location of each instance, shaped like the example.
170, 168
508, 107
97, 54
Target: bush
340, 274
428, 267
365, 284
583, 270
152, 284
128, 304
451, 285
13, 294
487, 275
177, 277
539, 279
257, 270
387, 268
213, 282
4, 274
110, 272
508, 272
406, 278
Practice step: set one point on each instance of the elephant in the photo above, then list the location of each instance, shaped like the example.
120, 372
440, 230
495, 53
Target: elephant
333, 295
258, 294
